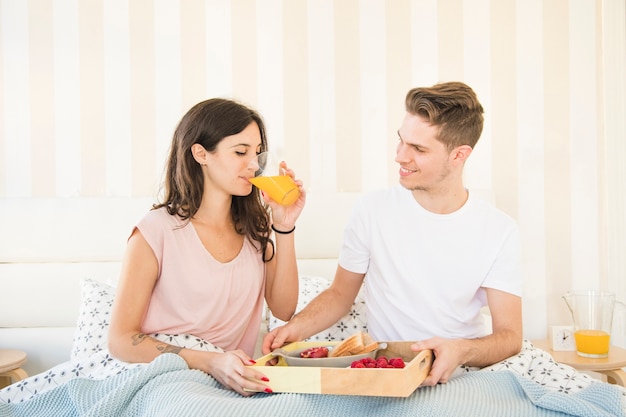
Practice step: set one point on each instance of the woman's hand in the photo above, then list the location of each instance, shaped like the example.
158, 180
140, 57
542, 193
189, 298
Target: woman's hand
284, 217
231, 369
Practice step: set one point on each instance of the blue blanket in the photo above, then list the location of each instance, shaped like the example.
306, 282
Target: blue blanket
166, 387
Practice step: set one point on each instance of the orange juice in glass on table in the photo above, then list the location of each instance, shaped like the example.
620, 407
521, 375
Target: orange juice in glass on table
268, 178
594, 343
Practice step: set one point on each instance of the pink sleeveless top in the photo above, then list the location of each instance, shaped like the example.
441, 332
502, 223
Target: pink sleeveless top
195, 294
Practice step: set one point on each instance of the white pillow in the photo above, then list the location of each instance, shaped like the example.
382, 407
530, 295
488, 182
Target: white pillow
353, 322
94, 317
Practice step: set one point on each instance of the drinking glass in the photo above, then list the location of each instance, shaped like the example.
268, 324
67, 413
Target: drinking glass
269, 177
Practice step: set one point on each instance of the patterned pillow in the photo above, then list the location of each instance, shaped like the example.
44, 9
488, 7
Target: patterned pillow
353, 322
94, 317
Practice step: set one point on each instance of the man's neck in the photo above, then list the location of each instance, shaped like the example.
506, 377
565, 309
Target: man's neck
442, 201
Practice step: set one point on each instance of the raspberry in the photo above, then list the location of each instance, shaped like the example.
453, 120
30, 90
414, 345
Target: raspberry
396, 362
382, 363
315, 352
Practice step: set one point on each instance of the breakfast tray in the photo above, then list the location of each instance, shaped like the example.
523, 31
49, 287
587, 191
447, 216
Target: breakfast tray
349, 381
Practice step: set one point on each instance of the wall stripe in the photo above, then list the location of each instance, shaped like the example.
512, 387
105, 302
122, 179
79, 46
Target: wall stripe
270, 69
322, 89
530, 119
3, 174
193, 52
219, 55
583, 121
118, 148
374, 133
398, 76
41, 98
450, 40
424, 49
16, 97
92, 125
296, 90
244, 50
556, 150
67, 128
477, 52
348, 168
168, 77
144, 162
614, 129
502, 116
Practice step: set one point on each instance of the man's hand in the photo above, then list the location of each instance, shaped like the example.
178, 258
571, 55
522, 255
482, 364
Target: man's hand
448, 354
279, 337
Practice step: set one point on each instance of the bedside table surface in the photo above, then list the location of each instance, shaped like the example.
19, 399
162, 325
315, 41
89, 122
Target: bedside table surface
11, 359
616, 359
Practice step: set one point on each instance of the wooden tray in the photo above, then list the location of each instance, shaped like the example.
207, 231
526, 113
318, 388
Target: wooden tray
348, 381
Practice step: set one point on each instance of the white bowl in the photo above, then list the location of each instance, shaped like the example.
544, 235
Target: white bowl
292, 357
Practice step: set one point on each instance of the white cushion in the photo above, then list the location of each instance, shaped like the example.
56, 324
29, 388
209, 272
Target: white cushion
353, 322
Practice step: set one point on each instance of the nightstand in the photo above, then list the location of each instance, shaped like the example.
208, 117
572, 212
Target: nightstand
610, 367
10, 362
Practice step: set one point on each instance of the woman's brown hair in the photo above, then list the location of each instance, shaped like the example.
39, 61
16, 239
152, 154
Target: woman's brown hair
208, 123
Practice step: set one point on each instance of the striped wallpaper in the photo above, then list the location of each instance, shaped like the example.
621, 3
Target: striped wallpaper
91, 91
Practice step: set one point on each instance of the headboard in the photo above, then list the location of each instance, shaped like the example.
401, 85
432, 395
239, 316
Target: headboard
48, 245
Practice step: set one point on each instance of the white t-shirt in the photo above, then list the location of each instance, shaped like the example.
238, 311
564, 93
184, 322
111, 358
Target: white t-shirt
426, 272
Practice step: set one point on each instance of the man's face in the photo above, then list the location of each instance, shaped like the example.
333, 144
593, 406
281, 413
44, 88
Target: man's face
424, 161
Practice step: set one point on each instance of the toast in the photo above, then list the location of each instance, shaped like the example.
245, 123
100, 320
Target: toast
356, 344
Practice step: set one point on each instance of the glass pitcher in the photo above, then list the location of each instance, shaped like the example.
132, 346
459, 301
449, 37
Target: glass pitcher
592, 313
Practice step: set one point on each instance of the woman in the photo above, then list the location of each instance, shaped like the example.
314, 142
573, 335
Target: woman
202, 261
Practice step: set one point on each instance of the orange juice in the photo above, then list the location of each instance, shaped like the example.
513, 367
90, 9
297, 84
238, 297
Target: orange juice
280, 188
592, 343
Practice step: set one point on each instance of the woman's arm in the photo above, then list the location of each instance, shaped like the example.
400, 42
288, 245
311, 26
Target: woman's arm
137, 279
281, 285
128, 343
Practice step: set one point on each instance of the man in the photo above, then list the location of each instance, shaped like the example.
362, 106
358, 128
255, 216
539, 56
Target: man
431, 254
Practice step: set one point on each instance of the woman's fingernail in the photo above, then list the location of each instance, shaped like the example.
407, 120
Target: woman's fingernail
266, 379
268, 390
252, 361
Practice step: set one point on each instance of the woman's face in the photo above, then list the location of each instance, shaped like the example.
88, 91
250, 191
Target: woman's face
233, 162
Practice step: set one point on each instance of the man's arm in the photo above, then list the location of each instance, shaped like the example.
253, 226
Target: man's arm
322, 312
505, 341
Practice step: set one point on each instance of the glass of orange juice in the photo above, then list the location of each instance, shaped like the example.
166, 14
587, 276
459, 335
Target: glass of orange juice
269, 177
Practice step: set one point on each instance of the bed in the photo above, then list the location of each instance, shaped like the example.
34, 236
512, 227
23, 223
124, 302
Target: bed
60, 277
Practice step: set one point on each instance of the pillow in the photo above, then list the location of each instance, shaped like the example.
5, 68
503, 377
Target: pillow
353, 322
94, 317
